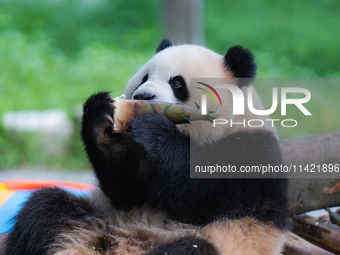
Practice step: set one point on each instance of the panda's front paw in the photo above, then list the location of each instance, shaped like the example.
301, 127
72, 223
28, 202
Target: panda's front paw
151, 132
97, 120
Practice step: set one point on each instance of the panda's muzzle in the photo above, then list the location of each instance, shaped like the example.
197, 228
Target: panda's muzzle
144, 96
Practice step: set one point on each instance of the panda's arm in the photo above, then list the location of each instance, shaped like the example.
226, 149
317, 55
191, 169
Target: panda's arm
112, 159
166, 153
47, 213
159, 143
200, 201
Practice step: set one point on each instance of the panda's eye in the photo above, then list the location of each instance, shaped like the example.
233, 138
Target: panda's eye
176, 82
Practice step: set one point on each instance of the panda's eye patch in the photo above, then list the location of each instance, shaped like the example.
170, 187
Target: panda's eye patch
179, 88
177, 82
145, 78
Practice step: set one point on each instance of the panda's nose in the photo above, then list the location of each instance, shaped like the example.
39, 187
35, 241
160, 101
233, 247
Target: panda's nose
144, 96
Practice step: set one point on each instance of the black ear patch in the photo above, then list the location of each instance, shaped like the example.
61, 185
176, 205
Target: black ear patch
241, 62
165, 43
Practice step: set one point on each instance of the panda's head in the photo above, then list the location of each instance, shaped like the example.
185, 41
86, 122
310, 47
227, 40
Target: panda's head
167, 75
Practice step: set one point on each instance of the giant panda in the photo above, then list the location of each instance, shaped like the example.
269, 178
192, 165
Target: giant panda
147, 203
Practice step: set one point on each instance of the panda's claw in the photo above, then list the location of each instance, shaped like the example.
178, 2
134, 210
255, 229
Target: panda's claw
109, 118
112, 103
112, 99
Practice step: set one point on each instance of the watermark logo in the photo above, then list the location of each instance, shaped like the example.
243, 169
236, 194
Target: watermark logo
239, 99
204, 97
240, 139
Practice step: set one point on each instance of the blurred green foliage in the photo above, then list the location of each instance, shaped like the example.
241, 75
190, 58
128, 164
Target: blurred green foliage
55, 53
289, 38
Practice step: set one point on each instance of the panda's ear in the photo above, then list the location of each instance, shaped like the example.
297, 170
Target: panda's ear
241, 63
165, 43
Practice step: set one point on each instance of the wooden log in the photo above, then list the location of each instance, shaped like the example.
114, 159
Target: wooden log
323, 234
312, 194
317, 149
296, 245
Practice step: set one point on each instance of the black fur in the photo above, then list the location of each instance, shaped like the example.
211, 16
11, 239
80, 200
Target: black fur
241, 62
159, 175
149, 164
230, 197
182, 92
166, 151
44, 215
186, 246
114, 163
165, 43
